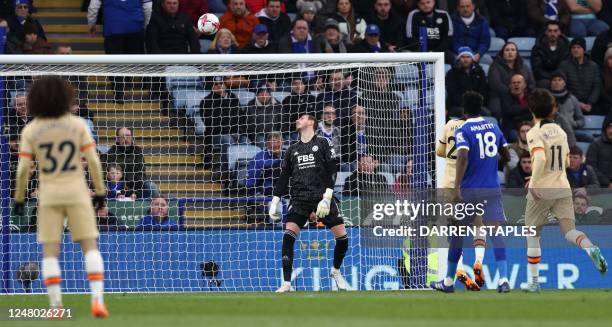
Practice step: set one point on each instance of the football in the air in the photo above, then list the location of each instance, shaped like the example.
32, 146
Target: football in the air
208, 24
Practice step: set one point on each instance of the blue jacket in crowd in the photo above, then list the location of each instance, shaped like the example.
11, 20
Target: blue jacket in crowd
263, 171
476, 35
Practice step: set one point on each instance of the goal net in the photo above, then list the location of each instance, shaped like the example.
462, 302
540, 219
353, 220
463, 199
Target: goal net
191, 148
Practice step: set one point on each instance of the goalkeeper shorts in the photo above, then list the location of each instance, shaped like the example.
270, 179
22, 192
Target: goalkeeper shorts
299, 213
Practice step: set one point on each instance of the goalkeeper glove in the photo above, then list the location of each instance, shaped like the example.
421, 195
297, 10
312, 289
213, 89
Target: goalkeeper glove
18, 208
325, 204
273, 211
98, 201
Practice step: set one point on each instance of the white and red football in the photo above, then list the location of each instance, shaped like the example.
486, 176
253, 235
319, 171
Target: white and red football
208, 24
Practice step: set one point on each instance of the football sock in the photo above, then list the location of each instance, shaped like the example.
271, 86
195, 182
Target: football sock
288, 242
579, 238
52, 280
94, 265
479, 249
340, 250
534, 253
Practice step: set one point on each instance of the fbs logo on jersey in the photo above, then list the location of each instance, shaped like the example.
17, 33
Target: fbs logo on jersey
305, 158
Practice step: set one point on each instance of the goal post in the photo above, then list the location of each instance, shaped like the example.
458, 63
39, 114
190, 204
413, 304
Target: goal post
212, 159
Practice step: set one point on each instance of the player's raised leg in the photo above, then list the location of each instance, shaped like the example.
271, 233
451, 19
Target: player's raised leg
574, 236
342, 242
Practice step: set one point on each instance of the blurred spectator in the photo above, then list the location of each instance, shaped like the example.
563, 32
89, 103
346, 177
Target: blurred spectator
224, 43
521, 174
308, 12
257, 5
260, 44
404, 7
602, 43
18, 118
263, 115
32, 43
515, 108
581, 212
606, 12
12, 44
217, 6
599, 155
278, 23
568, 106
605, 102
584, 20
194, 9
470, 30
158, 214
130, 156
520, 147
580, 174
543, 11
75, 109
465, 75
365, 180
506, 63
338, 93
327, 127
351, 25
105, 218
583, 77
451, 6
389, 23
509, 18
404, 179
171, 31
299, 39
116, 187
239, 21
331, 41
550, 50
371, 43
355, 135
297, 103
265, 168
566, 127
18, 18
439, 27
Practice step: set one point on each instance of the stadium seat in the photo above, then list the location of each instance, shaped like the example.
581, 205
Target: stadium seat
584, 146
189, 81
407, 73
341, 177
485, 67
410, 98
240, 152
593, 124
492, 120
280, 96
244, 96
496, 45
590, 40
524, 44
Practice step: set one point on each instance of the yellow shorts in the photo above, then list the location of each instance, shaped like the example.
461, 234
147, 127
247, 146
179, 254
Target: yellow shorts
81, 222
536, 211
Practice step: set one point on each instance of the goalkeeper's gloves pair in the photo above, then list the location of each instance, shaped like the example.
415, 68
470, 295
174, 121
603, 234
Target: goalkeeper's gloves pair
322, 208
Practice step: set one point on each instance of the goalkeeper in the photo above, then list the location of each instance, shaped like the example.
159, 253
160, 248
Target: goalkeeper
310, 165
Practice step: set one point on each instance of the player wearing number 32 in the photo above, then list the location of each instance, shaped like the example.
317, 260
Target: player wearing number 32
311, 165
56, 139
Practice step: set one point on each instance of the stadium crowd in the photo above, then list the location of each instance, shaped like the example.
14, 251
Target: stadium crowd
500, 49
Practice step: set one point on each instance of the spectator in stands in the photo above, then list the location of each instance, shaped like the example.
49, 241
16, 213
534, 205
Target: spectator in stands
507, 63
239, 21
584, 20
351, 25
389, 23
581, 205
130, 156
515, 108
20, 16
521, 174
224, 43
12, 43
354, 135
194, 9
404, 179
371, 43
439, 28
470, 30
116, 187
465, 75
332, 41
579, 174
550, 50
171, 31
568, 106
604, 107
509, 18
327, 127
365, 180
257, 5
602, 43
18, 118
583, 77
265, 168
260, 44
599, 155
75, 110
106, 219
299, 39
520, 147
278, 23
297, 103
158, 214
451, 6
338, 93
543, 11
606, 12
263, 115
308, 12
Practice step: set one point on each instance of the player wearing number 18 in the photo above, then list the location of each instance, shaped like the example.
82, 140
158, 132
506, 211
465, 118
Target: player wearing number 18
56, 139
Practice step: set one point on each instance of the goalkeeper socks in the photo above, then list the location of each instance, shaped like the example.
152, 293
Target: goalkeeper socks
340, 250
94, 265
534, 253
579, 238
52, 280
288, 242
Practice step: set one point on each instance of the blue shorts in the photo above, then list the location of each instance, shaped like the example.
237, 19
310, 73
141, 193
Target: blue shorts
489, 201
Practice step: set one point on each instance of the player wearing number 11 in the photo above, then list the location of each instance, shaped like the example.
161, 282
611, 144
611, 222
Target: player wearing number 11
56, 139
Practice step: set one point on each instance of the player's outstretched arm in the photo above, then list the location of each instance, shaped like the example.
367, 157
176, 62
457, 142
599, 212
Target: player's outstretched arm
280, 188
23, 175
95, 169
461, 166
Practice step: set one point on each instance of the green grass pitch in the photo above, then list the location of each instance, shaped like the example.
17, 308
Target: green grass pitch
372, 309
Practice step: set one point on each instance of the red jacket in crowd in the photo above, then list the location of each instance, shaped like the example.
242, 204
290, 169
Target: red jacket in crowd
194, 9
241, 26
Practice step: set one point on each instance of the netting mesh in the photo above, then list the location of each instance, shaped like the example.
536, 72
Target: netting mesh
209, 139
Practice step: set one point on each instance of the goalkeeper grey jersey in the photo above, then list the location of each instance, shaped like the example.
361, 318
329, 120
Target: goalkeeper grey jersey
308, 168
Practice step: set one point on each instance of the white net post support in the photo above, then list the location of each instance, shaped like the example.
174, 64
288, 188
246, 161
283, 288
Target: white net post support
200, 164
